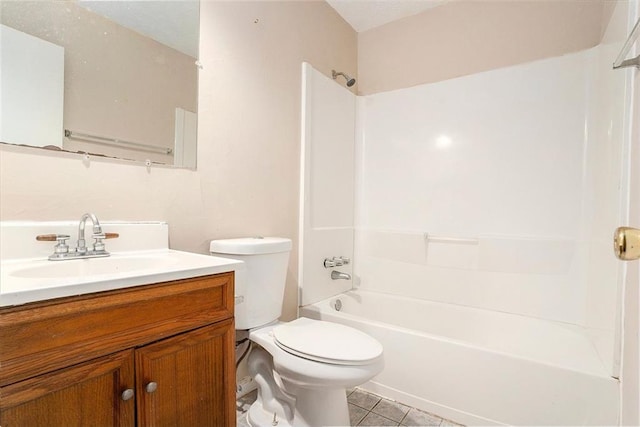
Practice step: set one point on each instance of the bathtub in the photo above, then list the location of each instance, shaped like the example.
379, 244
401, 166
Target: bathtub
477, 366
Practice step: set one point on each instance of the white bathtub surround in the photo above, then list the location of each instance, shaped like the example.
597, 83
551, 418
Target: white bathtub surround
484, 208
527, 170
480, 367
327, 184
514, 173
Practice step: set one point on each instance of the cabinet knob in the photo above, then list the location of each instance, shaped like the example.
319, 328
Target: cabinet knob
127, 394
151, 387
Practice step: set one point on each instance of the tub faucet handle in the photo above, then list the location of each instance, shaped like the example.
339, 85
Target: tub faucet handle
336, 261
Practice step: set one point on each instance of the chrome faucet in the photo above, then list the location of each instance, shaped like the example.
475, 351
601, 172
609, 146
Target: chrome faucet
336, 275
97, 231
62, 251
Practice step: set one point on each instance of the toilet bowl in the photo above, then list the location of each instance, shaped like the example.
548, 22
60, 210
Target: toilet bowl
314, 368
303, 367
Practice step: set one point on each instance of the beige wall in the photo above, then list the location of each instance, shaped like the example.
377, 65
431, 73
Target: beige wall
466, 37
118, 83
248, 138
252, 53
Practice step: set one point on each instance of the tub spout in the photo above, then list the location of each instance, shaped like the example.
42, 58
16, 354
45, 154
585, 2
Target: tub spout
336, 275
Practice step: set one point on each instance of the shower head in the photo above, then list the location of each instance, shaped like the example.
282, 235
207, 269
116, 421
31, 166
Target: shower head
350, 80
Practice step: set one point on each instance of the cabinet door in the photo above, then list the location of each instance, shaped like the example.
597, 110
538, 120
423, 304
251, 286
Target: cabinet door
188, 380
87, 394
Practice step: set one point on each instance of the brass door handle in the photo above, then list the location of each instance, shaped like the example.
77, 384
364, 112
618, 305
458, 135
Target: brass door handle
626, 243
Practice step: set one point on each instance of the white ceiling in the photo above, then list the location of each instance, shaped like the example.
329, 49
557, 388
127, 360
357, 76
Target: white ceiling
174, 23
366, 14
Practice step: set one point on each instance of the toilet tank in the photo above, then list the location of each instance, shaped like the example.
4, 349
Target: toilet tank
259, 286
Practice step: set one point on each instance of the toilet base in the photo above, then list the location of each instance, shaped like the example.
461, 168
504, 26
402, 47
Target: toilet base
301, 392
313, 408
258, 417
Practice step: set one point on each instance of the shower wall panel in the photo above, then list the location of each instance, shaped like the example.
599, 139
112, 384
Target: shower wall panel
327, 184
479, 191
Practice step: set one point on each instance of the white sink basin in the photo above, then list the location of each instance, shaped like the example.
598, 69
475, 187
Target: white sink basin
93, 267
28, 280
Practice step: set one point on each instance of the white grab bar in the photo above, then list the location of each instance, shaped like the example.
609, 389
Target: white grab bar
443, 239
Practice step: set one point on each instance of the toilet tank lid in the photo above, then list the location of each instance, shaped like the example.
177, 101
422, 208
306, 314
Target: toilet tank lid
250, 245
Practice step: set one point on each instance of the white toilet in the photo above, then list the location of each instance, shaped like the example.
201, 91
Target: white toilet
303, 367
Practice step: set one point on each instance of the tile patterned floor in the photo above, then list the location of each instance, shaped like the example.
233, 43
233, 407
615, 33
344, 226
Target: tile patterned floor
367, 409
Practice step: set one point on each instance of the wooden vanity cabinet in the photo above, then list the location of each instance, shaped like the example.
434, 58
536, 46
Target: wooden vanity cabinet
155, 355
86, 394
182, 382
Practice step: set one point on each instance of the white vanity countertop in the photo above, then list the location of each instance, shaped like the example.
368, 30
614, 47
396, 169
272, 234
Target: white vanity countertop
37, 279
139, 256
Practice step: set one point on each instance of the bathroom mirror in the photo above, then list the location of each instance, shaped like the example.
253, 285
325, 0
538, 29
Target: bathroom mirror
112, 78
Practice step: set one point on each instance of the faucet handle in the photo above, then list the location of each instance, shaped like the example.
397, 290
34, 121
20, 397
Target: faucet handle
61, 248
52, 237
329, 263
98, 244
336, 261
110, 235
101, 236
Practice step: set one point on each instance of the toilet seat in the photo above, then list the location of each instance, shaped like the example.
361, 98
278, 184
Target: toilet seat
308, 373
327, 342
